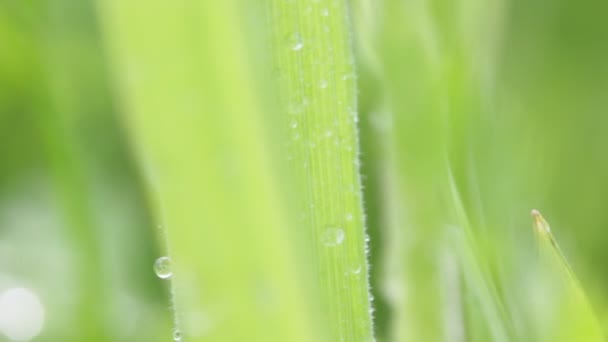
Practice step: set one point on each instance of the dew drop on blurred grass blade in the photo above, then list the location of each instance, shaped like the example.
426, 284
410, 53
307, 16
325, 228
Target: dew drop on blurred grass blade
177, 335
162, 267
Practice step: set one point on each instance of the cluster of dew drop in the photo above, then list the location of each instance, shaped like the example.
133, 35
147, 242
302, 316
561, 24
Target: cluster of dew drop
163, 270
295, 42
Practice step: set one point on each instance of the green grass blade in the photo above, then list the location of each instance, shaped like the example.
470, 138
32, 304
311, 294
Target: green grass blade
434, 65
317, 79
408, 79
562, 311
487, 318
60, 115
58, 122
197, 107
547, 243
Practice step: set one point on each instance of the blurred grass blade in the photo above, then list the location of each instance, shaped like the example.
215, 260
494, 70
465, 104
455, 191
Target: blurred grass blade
199, 110
435, 62
484, 305
547, 243
60, 115
563, 312
317, 80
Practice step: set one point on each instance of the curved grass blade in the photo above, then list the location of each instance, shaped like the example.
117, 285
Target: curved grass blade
485, 304
546, 240
561, 309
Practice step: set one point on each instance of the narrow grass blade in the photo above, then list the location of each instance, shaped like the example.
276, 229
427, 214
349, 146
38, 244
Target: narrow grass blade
315, 69
562, 310
487, 317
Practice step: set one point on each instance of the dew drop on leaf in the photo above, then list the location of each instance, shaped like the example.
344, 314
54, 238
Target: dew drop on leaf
333, 236
162, 267
177, 335
295, 41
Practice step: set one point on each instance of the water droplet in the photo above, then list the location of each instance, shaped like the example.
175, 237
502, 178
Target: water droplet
356, 270
353, 113
295, 41
329, 133
349, 217
177, 335
323, 84
294, 124
162, 267
325, 12
333, 236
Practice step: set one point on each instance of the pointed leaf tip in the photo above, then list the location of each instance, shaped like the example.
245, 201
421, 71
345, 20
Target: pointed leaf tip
540, 224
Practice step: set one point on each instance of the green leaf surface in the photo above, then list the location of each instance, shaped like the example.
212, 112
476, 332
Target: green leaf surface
316, 78
562, 310
194, 102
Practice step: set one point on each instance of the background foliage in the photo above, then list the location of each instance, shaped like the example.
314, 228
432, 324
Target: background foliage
317, 170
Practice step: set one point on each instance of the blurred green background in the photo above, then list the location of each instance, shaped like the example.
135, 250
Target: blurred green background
504, 101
